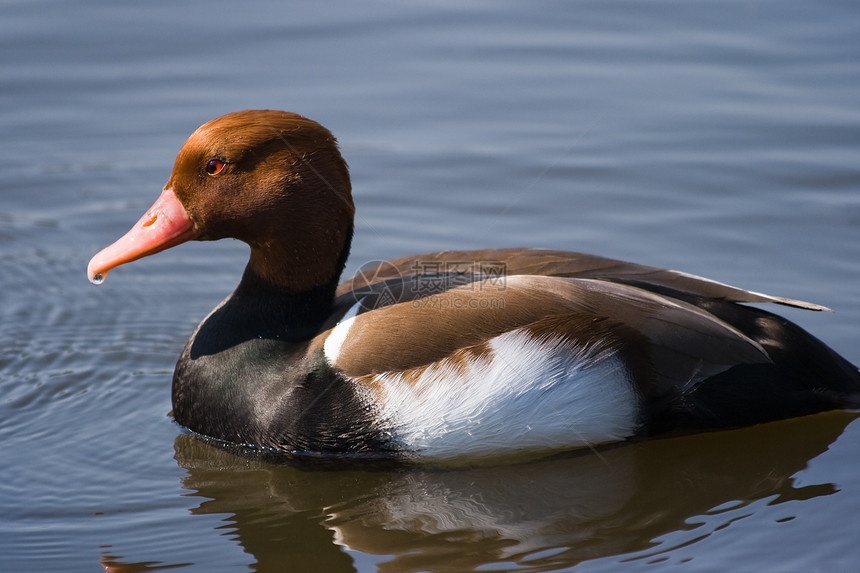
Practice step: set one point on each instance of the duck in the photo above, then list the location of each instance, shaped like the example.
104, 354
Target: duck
449, 355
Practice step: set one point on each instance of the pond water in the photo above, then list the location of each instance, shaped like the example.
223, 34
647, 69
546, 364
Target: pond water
719, 138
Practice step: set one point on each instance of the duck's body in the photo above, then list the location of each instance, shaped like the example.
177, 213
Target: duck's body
447, 354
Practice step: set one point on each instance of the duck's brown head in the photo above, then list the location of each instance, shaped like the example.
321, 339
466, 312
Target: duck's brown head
272, 179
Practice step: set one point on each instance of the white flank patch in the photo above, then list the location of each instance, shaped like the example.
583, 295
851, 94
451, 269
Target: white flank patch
335, 340
528, 394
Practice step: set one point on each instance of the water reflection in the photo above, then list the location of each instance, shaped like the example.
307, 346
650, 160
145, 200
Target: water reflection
115, 564
537, 515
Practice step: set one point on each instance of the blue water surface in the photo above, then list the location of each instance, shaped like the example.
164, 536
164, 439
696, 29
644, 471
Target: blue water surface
718, 138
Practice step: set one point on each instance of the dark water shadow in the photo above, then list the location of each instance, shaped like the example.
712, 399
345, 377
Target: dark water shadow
538, 515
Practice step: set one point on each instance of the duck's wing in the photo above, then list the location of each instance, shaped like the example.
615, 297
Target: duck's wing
458, 265
674, 342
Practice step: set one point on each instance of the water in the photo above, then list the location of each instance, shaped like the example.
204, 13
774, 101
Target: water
720, 138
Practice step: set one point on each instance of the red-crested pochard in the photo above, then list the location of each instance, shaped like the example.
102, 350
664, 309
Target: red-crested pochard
459, 353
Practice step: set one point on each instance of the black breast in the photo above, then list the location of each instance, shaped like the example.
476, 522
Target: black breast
247, 377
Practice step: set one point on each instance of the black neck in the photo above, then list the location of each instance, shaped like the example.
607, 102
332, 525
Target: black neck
265, 311
259, 310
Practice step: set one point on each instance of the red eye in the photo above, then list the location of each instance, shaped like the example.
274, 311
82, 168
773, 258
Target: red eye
215, 166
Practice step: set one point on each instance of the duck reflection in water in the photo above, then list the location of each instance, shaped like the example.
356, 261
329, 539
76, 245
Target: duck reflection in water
550, 513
